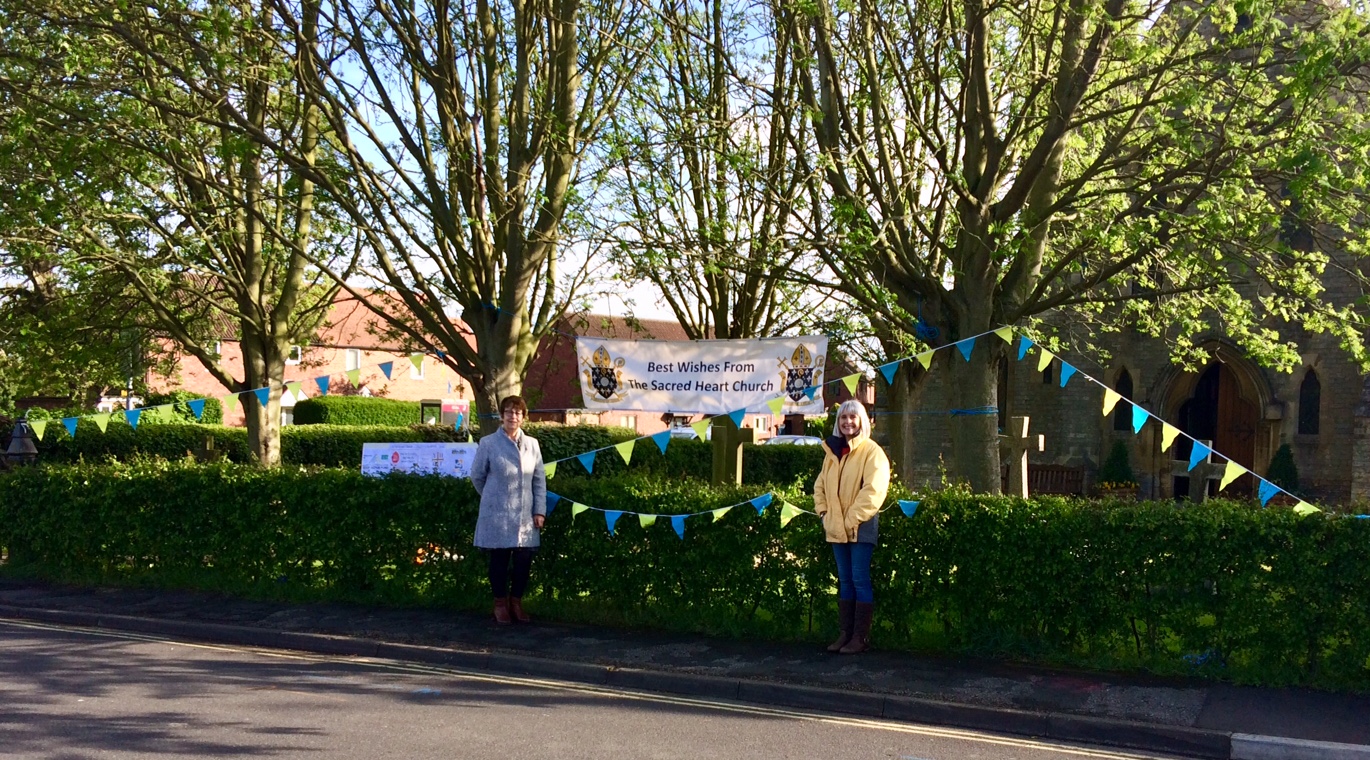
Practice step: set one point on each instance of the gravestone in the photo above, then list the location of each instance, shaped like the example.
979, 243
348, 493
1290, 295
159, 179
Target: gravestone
727, 441
1015, 445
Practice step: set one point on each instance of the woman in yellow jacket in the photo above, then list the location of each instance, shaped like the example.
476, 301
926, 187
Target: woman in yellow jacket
848, 495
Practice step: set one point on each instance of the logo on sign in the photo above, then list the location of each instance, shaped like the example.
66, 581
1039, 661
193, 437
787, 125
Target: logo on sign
802, 371
605, 375
394, 457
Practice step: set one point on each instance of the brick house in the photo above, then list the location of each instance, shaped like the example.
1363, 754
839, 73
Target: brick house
349, 340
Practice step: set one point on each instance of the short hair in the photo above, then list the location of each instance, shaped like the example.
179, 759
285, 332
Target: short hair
854, 406
513, 402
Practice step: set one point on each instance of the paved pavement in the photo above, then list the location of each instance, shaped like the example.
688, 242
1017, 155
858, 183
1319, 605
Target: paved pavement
80, 693
1193, 718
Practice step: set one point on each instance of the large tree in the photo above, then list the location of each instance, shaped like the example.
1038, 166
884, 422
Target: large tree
464, 129
131, 114
1120, 162
704, 184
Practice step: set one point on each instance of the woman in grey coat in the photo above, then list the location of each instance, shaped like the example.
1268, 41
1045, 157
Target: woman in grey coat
507, 473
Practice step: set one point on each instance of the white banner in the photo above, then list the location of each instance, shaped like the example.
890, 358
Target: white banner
709, 376
450, 459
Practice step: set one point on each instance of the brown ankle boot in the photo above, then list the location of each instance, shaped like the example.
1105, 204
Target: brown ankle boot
861, 630
502, 611
846, 610
516, 609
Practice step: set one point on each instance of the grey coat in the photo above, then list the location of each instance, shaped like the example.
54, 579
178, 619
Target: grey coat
512, 487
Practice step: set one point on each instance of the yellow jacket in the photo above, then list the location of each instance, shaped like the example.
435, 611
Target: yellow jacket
851, 490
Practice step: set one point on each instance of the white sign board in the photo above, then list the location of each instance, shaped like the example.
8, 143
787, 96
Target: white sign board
450, 459
709, 376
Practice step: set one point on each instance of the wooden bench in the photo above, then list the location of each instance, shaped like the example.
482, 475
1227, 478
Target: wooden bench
1053, 479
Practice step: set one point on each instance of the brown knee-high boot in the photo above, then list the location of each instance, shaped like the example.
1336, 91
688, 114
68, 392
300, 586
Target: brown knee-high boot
846, 611
861, 630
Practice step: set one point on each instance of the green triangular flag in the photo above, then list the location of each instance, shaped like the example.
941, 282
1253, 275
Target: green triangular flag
577, 508
788, 512
417, 361
776, 404
230, 402
354, 376
850, 381
551, 469
1304, 509
701, 428
101, 421
718, 513
38, 427
625, 450
296, 389
646, 521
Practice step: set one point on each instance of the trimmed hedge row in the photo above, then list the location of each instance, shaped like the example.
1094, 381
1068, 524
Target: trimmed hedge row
1221, 589
356, 410
341, 446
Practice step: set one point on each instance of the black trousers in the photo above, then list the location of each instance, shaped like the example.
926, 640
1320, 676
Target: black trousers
501, 575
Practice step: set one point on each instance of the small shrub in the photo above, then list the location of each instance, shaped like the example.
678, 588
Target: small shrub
1117, 469
1283, 472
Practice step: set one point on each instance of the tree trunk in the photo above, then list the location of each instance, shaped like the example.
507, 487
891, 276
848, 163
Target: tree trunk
973, 390
501, 376
903, 429
263, 367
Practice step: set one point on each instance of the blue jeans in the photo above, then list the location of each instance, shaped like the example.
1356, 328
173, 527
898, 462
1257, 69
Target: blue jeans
854, 571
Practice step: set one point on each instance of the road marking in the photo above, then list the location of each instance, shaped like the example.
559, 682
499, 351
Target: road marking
399, 666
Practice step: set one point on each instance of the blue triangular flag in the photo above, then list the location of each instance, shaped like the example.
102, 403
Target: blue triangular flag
442, 356
1024, 343
1067, 372
1267, 491
386, 368
610, 517
888, 371
460, 419
909, 507
678, 522
133, 415
322, 382
966, 346
761, 502
1139, 417
811, 391
552, 500
197, 407
587, 460
263, 395
1198, 454
70, 424
736, 416
662, 439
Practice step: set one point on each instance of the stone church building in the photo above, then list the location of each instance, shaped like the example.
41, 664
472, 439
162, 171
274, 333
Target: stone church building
1322, 410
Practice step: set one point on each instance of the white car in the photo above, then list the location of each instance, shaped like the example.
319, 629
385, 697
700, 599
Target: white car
793, 440
689, 434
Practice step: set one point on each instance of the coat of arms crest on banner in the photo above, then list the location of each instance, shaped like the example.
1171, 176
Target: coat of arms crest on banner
802, 371
605, 376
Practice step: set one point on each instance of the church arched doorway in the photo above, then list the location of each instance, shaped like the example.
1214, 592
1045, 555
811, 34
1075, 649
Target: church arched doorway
1221, 405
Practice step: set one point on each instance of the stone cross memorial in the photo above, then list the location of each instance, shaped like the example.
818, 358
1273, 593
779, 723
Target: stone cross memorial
727, 444
1015, 445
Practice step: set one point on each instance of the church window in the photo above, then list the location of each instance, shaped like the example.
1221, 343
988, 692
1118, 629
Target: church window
1310, 404
1122, 414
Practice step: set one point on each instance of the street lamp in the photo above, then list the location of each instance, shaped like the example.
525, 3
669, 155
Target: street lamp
21, 449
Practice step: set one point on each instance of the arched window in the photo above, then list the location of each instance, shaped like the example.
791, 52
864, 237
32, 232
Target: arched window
1122, 414
1310, 404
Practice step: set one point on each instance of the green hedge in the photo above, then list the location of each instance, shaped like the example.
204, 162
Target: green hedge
341, 446
356, 410
1222, 589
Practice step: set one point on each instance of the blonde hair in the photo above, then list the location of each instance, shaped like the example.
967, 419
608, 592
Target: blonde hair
859, 409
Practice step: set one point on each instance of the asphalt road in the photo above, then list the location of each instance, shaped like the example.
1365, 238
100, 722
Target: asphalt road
74, 693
